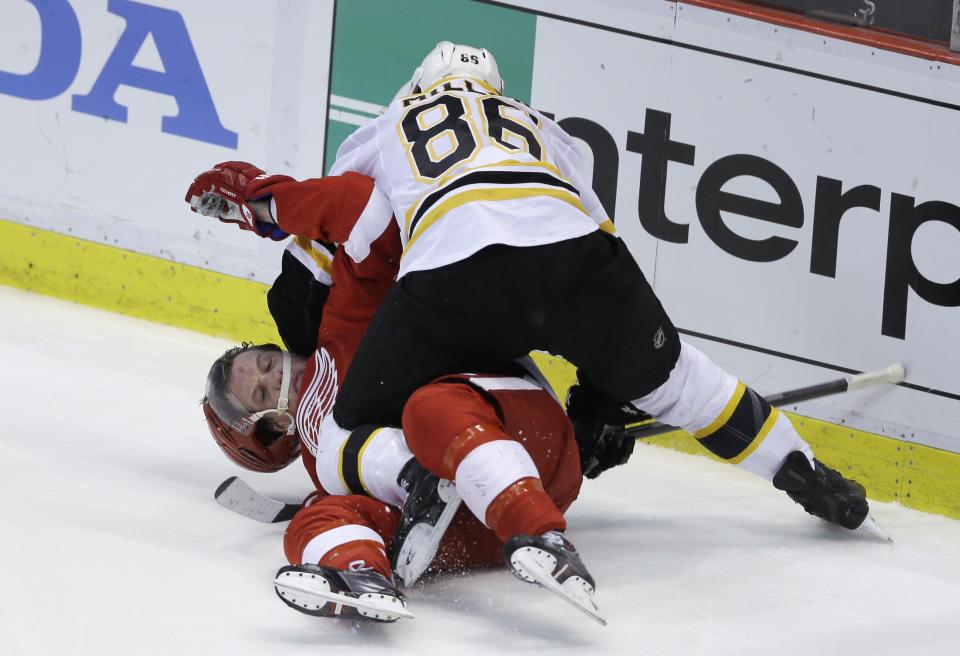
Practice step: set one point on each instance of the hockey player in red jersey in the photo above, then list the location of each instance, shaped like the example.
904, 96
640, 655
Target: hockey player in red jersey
258, 397
340, 542
356, 245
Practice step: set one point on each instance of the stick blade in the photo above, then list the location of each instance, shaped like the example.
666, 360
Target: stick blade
235, 495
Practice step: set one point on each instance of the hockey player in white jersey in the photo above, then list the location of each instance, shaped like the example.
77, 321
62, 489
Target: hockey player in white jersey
506, 249
466, 167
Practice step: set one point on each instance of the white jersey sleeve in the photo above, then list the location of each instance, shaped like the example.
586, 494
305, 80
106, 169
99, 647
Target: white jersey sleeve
358, 152
465, 168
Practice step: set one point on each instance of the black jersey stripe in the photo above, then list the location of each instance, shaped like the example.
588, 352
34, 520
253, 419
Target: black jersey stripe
489, 178
350, 458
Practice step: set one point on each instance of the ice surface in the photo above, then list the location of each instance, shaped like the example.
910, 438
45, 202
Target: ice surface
111, 542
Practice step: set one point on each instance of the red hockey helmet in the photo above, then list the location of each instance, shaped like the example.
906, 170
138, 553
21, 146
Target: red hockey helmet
237, 431
247, 449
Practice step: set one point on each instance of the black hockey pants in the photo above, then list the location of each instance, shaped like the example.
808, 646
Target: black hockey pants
584, 299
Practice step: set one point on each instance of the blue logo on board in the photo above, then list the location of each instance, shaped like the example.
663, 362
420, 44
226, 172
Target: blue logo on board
182, 77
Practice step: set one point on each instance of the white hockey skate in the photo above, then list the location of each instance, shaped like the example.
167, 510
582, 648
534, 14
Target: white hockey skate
326, 592
551, 561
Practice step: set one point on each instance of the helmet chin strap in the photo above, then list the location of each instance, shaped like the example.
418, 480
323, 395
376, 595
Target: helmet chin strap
283, 400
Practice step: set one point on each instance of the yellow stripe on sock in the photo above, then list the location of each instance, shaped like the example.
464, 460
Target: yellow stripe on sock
758, 440
360, 460
725, 415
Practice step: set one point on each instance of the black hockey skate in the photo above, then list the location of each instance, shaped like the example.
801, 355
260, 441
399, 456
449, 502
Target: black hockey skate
430, 506
822, 492
326, 592
551, 561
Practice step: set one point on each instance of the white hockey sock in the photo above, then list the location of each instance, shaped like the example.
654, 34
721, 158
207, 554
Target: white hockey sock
703, 399
364, 462
320, 545
490, 469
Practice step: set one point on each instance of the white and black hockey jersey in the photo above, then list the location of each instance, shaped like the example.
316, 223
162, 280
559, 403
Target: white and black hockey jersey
465, 168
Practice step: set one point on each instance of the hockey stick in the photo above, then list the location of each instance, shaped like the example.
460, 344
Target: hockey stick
234, 494
891, 374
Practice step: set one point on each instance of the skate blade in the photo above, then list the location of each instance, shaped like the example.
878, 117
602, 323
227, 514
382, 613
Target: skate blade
313, 592
423, 540
574, 590
871, 528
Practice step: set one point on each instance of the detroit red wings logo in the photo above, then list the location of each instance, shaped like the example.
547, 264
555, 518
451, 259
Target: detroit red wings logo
317, 400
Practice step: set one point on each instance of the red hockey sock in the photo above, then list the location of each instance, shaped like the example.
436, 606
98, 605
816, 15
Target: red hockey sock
524, 508
358, 554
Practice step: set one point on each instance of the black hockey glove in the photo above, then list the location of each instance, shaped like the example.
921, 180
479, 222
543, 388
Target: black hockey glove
296, 302
598, 424
614, 447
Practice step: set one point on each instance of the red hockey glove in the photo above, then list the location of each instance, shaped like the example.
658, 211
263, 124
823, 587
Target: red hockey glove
225, 192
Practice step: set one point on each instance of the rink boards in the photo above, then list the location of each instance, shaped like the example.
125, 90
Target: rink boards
789, 195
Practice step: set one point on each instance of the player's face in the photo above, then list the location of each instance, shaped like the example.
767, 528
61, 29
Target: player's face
256, 378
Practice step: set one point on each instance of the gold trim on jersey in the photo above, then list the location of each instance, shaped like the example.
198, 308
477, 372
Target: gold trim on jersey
422, 118
322, 259
505, 163
533, 129
432, 145
488, 194
467, 117
608, 227
450, 177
